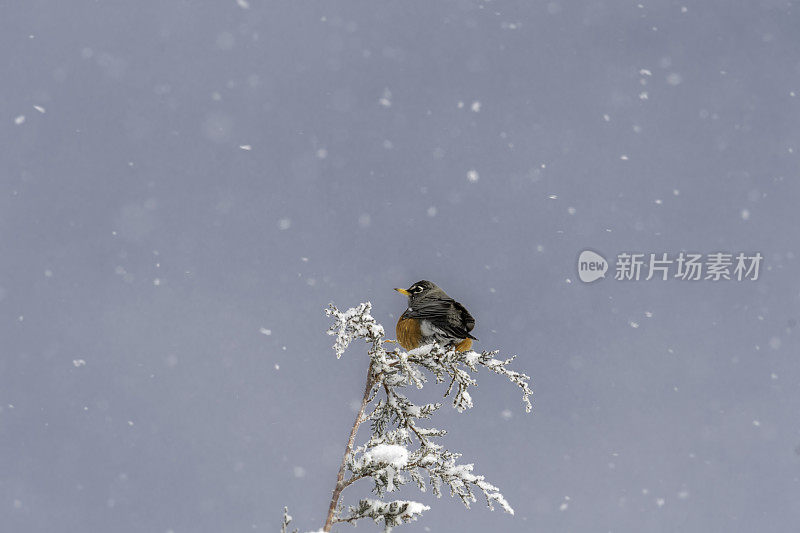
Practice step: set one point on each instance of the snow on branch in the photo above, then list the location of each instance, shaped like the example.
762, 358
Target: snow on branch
287, 519
354, 323
392, 513
399, 449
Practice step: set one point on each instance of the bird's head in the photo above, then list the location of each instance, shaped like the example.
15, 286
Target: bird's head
420, 290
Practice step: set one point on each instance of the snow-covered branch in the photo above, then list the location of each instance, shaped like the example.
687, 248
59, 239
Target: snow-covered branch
400, 450
287, 519
354, 323
392, 513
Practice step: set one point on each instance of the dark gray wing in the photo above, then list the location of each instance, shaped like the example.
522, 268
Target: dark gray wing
466, 319
446, 314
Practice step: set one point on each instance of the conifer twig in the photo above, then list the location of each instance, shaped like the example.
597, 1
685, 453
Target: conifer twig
341, 484
391, 458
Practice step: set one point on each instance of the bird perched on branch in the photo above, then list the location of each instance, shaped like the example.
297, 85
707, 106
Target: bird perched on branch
432, 316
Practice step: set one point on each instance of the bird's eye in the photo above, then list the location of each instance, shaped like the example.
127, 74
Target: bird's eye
416, 290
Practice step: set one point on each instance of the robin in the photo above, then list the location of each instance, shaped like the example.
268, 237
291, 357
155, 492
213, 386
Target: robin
432, 316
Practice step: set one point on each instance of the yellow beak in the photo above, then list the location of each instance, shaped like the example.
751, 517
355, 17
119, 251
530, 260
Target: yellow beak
403, 291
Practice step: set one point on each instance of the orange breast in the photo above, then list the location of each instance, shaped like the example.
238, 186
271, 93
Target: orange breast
408, 333
464, 345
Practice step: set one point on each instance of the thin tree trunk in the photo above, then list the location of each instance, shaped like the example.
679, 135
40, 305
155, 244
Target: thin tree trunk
340, 483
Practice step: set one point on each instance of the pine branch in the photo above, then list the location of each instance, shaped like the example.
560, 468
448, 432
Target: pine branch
399, 450
340, 482
287, 519
392, 513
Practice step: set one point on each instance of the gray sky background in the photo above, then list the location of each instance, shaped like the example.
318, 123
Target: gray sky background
138, 236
